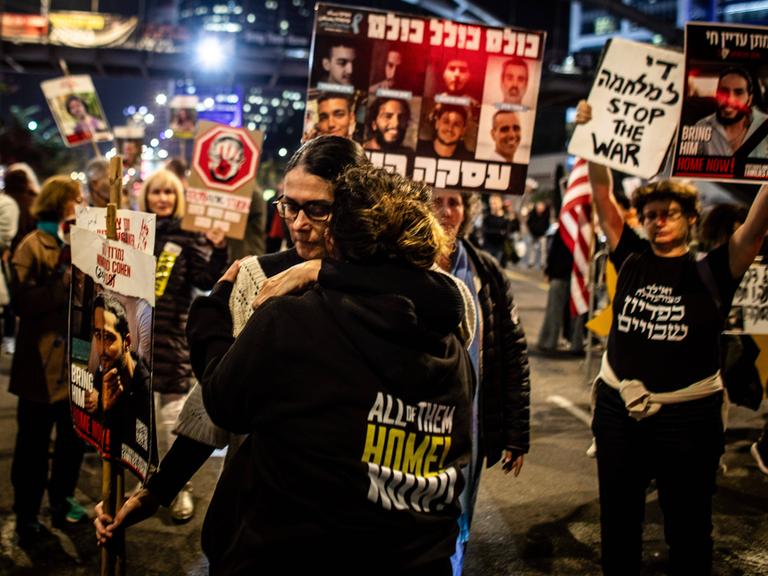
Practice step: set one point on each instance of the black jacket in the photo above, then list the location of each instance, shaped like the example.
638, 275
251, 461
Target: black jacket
505, 389
356, 397
197, 266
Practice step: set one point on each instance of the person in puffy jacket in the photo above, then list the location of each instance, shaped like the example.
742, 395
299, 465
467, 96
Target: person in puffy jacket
185, 261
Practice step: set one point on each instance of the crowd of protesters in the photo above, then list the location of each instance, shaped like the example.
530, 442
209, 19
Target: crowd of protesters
382, 301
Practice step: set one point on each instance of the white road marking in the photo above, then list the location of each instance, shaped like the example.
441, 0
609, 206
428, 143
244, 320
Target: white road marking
571, 408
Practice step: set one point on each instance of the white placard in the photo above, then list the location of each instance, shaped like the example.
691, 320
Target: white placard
114, 265
636, 100
133, 228
749, 311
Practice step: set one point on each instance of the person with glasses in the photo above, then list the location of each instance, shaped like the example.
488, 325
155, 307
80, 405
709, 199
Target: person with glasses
659, 393
305, 205
501, 403
355, 395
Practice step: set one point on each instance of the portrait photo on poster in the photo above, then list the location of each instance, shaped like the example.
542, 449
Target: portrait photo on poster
504, 135
76, 109
512, 83
723, 132
340, 64
111, 388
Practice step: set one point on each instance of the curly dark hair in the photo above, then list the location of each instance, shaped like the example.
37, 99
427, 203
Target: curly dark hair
382, 216
683, 193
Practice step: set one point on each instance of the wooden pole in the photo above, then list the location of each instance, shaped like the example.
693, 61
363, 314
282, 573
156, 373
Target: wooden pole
112, 486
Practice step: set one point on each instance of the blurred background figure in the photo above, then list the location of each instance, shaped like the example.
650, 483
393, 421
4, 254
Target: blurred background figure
501, 404
255, 239
538, 223
496, 229
185, 260
39, 377
739, 352
558, 321
97, 182
22, 186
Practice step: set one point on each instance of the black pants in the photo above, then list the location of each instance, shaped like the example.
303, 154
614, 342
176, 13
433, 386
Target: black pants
29, 471
680, 447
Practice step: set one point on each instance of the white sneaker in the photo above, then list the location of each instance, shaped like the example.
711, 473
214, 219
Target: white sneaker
8, 345
183, 506
758, 458
592, 450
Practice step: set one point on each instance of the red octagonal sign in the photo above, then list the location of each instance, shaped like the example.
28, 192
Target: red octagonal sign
225, 158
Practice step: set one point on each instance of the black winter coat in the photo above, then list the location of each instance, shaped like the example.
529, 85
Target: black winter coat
505, 390
197, 266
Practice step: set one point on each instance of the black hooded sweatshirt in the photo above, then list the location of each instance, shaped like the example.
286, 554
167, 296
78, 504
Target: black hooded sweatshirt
356, 395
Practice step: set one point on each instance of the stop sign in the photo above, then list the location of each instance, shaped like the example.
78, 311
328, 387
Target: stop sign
225, 158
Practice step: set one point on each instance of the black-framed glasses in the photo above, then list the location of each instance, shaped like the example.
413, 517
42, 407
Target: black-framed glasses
315, 210
653, 215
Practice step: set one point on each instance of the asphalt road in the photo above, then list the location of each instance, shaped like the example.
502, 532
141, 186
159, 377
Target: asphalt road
544, 522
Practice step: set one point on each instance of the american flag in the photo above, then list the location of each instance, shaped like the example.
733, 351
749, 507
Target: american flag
576, 232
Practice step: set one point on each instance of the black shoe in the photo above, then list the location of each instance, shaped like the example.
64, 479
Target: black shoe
28, 532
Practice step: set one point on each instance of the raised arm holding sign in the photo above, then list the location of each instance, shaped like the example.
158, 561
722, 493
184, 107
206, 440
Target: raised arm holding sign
637, 94
663, 349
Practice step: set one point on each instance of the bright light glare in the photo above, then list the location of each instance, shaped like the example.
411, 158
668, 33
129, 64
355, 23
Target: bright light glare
149, 118
161, 99
32, 125
163, 153
154, 142
282, 152
210, 52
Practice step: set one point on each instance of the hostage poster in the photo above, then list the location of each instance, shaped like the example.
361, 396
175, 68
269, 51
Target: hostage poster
443, 102
77, 110
749, 311
635, 103
111, 323
723, 132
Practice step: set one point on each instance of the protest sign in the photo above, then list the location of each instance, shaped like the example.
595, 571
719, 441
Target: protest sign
443, 102
749, 311
723, 132
222, 179
76, 108
111, 319
184, 116
133, 228
635, 99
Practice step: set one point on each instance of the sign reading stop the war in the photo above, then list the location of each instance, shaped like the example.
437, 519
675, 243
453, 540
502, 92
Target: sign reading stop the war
224, 163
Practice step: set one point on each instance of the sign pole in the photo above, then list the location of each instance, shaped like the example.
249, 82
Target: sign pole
112, 481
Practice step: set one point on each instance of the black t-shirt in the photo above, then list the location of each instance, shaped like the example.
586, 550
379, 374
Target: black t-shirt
495, 229
666, 326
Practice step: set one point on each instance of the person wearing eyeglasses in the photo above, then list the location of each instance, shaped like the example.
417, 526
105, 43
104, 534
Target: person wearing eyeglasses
659, 394
306, 205
330, 489
501, 402
355, 395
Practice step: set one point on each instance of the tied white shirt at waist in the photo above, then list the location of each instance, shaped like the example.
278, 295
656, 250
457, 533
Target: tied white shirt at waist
640, 402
